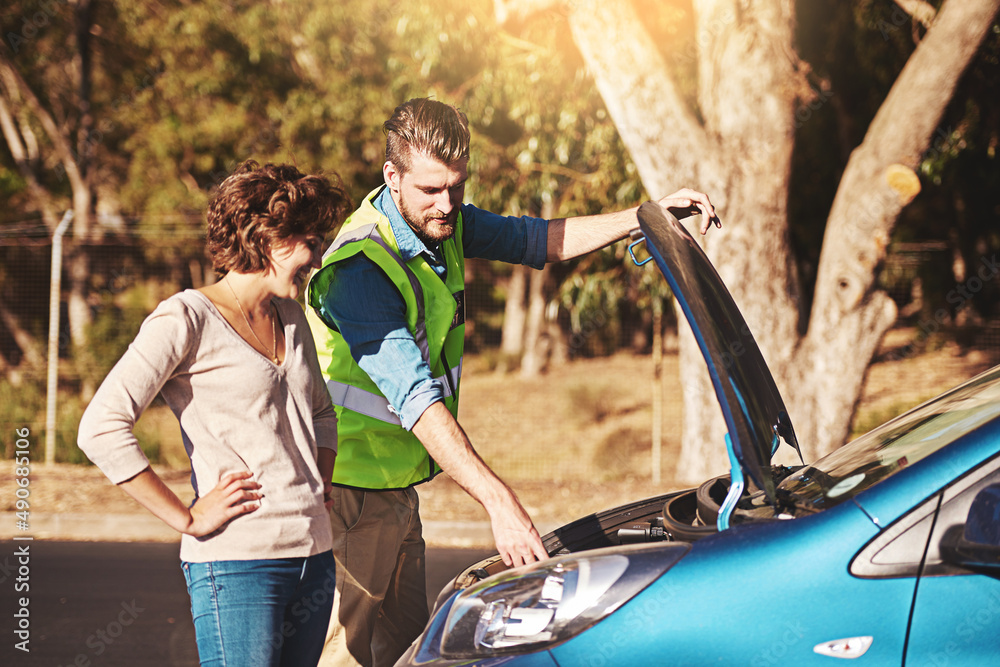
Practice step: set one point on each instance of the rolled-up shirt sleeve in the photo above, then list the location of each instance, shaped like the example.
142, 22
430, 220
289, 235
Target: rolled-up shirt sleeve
515, 240
371, 316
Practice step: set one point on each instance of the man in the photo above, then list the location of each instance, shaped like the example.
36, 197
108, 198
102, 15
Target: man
390, 297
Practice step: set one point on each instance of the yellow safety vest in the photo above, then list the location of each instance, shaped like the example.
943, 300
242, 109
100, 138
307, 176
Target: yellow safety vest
374, 451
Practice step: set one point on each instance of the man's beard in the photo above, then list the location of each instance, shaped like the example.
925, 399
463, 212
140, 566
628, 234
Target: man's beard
428, 228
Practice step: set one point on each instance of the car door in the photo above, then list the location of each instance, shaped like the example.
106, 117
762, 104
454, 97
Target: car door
956, 613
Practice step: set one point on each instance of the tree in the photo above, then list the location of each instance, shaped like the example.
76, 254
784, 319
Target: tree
733, 136
57, 120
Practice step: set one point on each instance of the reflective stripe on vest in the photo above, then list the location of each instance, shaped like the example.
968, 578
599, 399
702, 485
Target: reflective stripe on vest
377, 406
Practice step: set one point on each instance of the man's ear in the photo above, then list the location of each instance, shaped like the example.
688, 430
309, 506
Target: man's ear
391, 176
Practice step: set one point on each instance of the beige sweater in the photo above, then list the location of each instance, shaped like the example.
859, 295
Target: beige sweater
237, 411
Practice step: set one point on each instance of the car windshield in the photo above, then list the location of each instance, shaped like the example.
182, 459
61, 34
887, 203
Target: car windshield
896, 444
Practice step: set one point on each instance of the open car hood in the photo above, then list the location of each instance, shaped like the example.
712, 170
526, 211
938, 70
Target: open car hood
751, 405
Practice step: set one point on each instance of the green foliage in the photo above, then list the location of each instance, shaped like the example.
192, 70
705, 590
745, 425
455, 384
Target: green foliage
67, 428
21, 406
605, 292
115, 324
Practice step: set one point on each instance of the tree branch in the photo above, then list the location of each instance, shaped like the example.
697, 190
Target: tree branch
22, 158
29, 346
920, 10
637, 89
871, 193
59, 141
519, 10
664, 138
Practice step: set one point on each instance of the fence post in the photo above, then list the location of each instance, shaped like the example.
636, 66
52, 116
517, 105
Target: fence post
52, 387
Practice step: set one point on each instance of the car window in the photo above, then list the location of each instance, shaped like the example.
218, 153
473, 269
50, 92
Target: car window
896, 444
900, 548
954, 511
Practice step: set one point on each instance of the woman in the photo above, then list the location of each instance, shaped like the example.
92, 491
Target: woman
237, 365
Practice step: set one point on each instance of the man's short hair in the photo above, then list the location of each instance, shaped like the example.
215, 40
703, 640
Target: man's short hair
259, 208
426, 127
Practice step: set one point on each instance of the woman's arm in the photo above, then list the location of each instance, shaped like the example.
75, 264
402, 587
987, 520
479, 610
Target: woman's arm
105, 433
235, 494
325, 459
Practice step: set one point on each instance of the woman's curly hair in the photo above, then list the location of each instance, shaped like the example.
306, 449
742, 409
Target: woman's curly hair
258, 208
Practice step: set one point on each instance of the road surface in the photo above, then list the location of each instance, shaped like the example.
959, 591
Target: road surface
93, 604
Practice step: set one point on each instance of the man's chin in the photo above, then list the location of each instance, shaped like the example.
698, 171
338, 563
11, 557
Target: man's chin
438, 231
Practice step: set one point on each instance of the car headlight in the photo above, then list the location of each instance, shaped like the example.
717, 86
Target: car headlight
549, 602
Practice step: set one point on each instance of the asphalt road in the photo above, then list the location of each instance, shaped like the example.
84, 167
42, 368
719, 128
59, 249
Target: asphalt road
100, 603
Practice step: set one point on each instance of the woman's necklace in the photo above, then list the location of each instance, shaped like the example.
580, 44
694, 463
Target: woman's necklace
274, 326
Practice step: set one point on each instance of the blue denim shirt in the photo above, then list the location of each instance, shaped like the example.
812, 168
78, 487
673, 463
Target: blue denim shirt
371, 314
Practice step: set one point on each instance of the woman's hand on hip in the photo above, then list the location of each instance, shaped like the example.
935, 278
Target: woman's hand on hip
235, 494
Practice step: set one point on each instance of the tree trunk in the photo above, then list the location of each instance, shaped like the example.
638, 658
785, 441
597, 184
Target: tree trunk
79, 257
743, 162
656, 397
15, 93
535, 355
749, 81
849, 314
558, 345
514, 317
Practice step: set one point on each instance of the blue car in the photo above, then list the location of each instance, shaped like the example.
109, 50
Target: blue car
885, 552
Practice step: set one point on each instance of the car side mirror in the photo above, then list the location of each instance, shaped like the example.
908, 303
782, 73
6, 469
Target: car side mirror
976, 545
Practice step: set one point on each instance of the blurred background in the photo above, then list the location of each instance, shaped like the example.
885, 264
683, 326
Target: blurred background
129, 112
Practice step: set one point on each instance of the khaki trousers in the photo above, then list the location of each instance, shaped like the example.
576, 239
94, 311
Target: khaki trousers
380, 605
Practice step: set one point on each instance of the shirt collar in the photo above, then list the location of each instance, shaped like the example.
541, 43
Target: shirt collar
408, 242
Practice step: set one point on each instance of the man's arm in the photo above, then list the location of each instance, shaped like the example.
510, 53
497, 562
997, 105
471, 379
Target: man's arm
371, 317
572, 237
515, 535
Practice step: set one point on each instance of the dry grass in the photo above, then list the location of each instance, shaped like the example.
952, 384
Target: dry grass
573, 441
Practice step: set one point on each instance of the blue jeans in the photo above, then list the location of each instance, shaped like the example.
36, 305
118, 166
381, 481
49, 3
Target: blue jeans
272, 612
